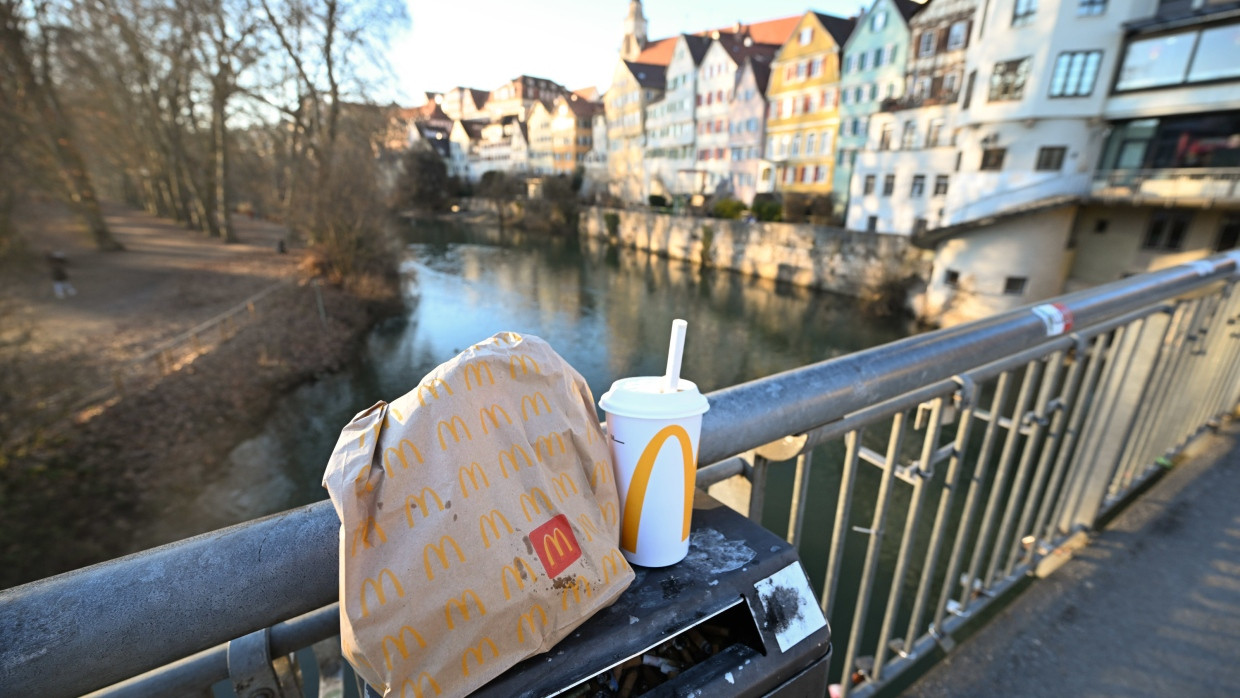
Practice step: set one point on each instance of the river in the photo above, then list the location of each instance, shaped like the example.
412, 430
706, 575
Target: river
608, 311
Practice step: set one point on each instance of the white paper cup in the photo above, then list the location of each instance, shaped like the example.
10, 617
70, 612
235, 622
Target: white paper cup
654, 446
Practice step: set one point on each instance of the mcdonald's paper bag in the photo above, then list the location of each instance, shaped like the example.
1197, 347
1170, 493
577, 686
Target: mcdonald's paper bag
479, 520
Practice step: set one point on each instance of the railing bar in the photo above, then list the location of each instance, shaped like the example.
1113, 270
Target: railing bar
857, 420
976, 482
1217, 354
1022, 468
1066, 463
1190, 397
1131, 459
870, 571
1174, 348
911, 520
873, 457
946, 498
1032, 371
1035, 444
800, 495
1040, 500
1226, 355
852, 441
718, 472
757, 489
1168, 430
1083, 458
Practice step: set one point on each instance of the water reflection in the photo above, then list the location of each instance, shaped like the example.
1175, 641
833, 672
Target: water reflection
607, 311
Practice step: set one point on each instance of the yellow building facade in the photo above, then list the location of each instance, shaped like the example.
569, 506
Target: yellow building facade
572, 128
803, 114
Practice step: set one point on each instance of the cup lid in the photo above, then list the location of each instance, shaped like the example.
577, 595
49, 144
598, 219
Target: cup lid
643, 397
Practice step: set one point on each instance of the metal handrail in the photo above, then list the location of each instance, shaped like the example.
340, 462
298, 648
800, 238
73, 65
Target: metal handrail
171, 602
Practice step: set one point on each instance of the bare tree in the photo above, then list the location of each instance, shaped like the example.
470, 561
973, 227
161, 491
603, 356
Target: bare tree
32, 84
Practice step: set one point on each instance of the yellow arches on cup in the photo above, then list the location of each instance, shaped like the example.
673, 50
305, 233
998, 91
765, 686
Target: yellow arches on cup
636, 497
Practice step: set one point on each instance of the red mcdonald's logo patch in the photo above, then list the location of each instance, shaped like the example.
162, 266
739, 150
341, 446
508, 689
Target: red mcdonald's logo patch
556, 545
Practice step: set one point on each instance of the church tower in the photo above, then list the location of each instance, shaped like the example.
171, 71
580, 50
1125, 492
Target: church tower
634, 32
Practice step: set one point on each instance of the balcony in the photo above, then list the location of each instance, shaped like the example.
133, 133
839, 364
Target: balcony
1196, 186
893, 104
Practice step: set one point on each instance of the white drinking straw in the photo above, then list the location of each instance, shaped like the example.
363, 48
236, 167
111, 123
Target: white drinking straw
675, 350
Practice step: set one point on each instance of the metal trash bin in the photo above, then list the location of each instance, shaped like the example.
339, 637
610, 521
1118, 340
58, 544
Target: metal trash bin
741, 589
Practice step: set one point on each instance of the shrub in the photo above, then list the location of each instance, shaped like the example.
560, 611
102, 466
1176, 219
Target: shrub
796, 207
727, 208
613, 223
657, 201
766, 208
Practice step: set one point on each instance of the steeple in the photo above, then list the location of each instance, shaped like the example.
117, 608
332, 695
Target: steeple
634, 32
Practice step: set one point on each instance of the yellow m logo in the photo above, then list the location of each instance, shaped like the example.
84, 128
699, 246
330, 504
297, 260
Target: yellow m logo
520, 571
376, 583
462, 605
417, 687
401, 455
491, 519
420, 500
547, 443
477, 654
529, 403
614, 562
587, 526
562, 483
429, 388
474, 471
524, 361
475, 369
641, 480
510, 456
362, 534
559, 542
602, 473
577, 585
527, 619
530, 500
399, 644
441, 551
491, 412
451, 426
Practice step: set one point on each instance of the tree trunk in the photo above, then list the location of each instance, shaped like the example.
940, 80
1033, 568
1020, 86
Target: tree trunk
219, 138
70, 166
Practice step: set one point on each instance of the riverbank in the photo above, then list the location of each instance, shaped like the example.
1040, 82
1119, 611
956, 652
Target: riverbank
80, 482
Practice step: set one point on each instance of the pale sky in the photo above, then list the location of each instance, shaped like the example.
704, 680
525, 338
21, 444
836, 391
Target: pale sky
483, 43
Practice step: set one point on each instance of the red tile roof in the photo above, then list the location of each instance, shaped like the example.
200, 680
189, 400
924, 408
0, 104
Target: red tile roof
771, 31
658, 52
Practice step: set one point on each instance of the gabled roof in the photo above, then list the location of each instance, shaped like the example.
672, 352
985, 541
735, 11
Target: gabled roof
590, 94
736, 47
839, 28
908, 8
473, 127
697, 46
657, 52
648, 74
480, 97
582, 108
761, 73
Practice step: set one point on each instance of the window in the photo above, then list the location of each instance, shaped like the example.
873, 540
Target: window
1167, 230
940, 185
956, 35
1023, 12
1050, 159
878, 58
809, 144
815, 67
926, 45
1228, 234
1075, 73
1007, 82
871, 224
1015, 285
796, 145
868, 187
889, 185
863, 61
1100, 226
952, 278
1154, 62
878, 21
848, 63
909, 135
1088, 8
968, 89
825, 143
1216, 54
992, 158
918, 188
934, 133
807, 35
820, 174
873, 91
884, 139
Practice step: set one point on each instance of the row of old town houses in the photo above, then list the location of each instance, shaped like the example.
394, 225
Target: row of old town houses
1037, 146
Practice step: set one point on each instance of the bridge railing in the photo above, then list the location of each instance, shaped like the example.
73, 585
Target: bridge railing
959, 463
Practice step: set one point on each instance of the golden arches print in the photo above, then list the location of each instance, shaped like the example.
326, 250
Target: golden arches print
636, 496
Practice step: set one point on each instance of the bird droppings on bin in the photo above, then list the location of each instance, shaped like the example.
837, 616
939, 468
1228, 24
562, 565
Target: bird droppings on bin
710, 552
783, 608
672, 587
